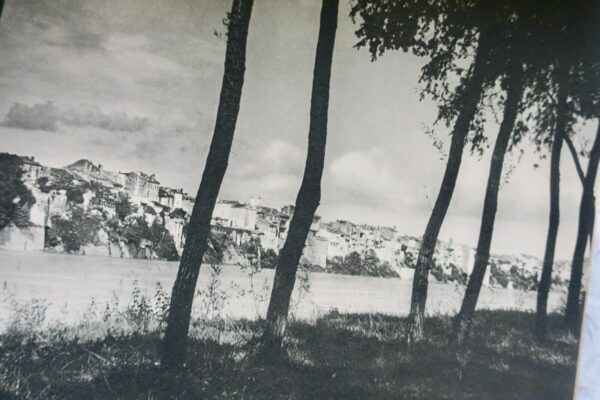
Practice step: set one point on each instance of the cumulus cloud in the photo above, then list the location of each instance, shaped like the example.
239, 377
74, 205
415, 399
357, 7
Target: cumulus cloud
48, 117
277, 156
273, 170
360, 171
365, 178
284, 157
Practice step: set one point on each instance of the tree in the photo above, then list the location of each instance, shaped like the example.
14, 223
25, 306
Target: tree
174, 346
123, 206
447, 33
371, 263
15, 198
474, 90
586, 90
75, 231
136, 231
309, 194
554, 215
514, 92
586, 217
352, 263
573, 90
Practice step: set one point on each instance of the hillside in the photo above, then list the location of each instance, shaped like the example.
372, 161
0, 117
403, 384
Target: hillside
84, 209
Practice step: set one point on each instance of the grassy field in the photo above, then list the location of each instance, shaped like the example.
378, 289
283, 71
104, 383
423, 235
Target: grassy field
341, 356
72, 330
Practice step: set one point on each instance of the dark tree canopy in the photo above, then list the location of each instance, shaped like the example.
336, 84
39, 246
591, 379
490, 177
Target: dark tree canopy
565, 54
445, 34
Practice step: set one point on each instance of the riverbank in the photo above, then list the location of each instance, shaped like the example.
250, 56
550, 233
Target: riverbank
340, 356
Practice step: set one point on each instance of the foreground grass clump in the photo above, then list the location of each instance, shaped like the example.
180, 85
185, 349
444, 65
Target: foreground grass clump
340, 357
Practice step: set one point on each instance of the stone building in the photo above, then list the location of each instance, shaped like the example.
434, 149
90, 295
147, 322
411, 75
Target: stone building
141, 186
233, 214
88, 171
268, 233
31, 168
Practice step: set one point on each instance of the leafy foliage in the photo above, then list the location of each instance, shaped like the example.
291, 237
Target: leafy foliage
60, 179
544, 37
252, 250
268, 258
156, 238
15, 198
366, 264
136, 231
123, 206
74, 231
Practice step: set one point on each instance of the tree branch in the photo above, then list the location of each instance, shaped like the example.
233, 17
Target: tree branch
575, 158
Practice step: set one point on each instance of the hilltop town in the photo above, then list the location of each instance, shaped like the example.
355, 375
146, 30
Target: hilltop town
131, 214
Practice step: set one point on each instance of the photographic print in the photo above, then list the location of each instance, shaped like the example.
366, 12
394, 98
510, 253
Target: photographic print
298, 199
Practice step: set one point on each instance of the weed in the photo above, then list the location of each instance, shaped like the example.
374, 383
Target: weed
350, 356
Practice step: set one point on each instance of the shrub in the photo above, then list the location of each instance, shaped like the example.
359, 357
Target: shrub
268, 259
75, 231
367, 264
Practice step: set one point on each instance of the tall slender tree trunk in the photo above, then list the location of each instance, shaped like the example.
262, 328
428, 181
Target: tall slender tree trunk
586, 215
581, 174
178, 322
473, 92
514, 93
554, 217
309, 194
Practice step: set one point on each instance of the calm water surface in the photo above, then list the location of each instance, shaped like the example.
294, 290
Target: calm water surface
70, 283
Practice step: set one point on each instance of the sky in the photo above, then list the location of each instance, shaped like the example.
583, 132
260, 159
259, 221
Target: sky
134, 85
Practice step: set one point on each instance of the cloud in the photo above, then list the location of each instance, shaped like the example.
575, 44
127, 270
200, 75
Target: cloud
273, 170
361, 171
276, 157
365, 178
48, 117
284, 157
42, 117
72, 34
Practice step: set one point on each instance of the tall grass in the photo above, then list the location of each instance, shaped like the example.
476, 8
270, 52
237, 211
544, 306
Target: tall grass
112, 353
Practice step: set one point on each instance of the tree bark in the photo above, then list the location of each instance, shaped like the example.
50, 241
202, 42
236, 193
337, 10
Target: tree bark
586, 215
473, 92
576, 161
581, 175
490, 205
554, 217
178, 321
309, 194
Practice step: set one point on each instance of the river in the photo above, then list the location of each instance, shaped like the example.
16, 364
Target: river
67, 284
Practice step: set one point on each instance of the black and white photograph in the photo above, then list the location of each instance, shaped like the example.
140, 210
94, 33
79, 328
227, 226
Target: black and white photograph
299, 199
